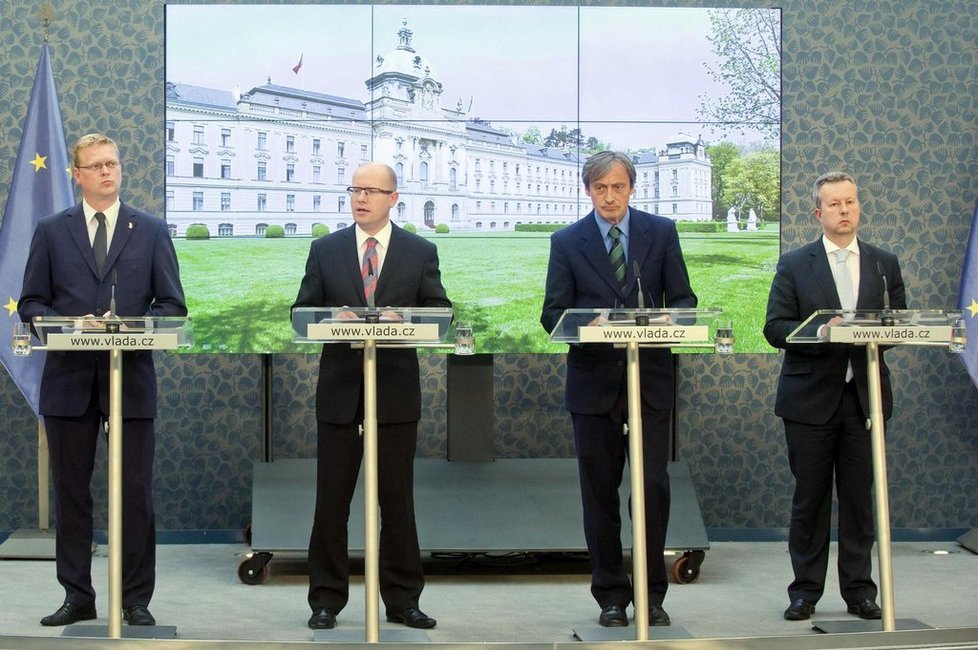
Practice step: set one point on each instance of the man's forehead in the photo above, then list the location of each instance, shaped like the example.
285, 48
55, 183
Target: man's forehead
616, 174
838, 189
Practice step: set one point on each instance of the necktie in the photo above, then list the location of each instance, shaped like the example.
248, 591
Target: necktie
843, 279
617, 255
99, 245
368, 270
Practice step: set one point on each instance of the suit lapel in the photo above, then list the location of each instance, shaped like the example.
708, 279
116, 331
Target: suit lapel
822, 273
125, 223
78, 229
639, 243
868, 271
395, 250
351, 262
592, 247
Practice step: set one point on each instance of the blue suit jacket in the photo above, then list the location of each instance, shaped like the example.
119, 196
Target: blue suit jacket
409, 278
60, 280
813, 376
580, 276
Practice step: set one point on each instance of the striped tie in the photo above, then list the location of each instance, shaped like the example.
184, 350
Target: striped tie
617, 255
368, 270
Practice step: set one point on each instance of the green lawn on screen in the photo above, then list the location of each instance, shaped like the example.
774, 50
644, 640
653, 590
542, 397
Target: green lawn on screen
239, 290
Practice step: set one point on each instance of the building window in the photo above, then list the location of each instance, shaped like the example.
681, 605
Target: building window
260, 228
262, 140
401, 209
429, 214
225, 169
198, 201
290, 143
290, 172
399, 170
262, 202
198, 167
675, 208
225, 230
340, 148
452, 179
225, 137
169, 166
169, 199
198, 135
363, 152
290, 202
424, 174
171, 132
317, 202
172, 229
225, 201
261, 170
340, 175
341, 204
455, 212
290, 229
315, 146
316, 174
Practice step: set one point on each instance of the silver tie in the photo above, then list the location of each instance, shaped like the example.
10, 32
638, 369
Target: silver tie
843, 279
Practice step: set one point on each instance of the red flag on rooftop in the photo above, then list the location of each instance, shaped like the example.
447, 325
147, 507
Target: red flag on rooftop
298, 65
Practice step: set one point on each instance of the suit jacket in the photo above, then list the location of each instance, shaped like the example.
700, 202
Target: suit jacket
579, 275
813, 375
409, 278
60, 280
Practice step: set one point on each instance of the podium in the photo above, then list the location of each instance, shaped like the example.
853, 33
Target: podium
114, 335
873, 328
371, 328
633, 329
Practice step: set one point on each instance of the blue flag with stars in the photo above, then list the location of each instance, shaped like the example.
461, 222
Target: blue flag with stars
39, 186
968, 299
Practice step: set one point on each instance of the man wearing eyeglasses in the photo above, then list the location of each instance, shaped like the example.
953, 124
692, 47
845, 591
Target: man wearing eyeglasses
77, 258
592, 265
372, 263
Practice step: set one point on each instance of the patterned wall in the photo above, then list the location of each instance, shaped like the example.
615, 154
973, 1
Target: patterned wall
886, 90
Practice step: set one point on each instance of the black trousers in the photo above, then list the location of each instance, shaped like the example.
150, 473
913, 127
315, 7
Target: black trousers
841, 448
601, 454
72, 443
338, 458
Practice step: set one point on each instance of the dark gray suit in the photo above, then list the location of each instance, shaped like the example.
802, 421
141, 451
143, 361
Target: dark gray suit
409, 278
61, 280
825, 417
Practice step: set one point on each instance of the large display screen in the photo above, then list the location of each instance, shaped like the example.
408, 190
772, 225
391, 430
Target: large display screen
486, 113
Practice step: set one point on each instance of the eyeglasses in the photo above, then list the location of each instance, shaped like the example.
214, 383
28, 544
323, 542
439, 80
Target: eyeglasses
371, 191
109, 165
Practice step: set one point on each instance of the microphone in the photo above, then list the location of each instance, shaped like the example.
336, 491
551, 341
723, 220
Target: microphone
112, 324
640, 319
886, 318
371, 316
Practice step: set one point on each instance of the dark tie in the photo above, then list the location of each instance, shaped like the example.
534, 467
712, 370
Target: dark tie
368, 270
617, 255
99, 245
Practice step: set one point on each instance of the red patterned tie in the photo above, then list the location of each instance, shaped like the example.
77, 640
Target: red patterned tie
368, 270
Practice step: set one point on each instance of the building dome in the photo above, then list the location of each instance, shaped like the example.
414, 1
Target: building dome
405, 60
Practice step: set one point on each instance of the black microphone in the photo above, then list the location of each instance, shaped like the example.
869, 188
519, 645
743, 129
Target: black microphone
112, 324
640, 319
886, 318
371, 316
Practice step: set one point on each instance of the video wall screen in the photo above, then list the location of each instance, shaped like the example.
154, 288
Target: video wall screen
487, 114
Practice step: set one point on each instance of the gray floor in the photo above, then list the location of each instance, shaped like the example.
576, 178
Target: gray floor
740, 593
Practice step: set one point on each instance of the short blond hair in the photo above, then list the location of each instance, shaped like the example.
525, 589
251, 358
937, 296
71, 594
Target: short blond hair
90, 140
830, 177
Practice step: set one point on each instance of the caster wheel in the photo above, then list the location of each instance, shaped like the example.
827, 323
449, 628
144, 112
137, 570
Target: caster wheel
253, 570
683, 573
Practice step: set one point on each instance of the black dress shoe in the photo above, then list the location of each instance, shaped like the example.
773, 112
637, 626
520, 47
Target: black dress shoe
799, 610
658, 616
323, 619
138, 615
866, 609
69, 613
613, 616
412, 617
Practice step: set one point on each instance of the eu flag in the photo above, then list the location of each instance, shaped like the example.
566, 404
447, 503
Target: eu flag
968, 299
39, 186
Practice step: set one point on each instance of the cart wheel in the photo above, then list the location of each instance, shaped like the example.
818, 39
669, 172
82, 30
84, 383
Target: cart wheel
253, 570
683, 572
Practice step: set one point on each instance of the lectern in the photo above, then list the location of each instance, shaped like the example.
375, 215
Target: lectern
370, 328
632, 329
873, 328
114, 335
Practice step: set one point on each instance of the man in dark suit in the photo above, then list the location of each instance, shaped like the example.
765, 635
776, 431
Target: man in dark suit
823, 398
584, 258
76, 257
402, 272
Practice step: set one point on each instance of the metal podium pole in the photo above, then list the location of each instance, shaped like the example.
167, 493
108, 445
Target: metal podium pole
115, 493
880, 487
371, 549
640, 575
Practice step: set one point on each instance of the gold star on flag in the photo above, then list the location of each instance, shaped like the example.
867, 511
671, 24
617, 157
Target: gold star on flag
11, 306
973, 308
38, 162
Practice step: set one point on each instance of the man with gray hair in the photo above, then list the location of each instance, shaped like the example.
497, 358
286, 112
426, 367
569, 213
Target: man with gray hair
592, 265
823, 398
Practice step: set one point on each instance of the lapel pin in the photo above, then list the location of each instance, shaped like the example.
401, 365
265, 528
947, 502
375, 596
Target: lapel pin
130, 225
